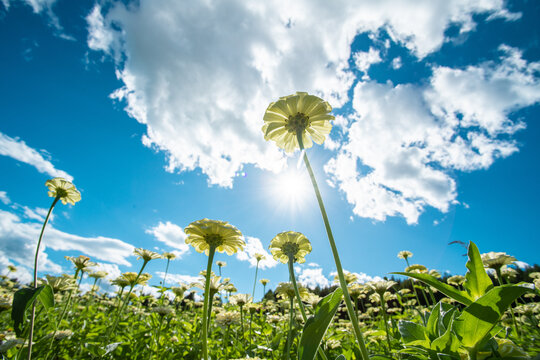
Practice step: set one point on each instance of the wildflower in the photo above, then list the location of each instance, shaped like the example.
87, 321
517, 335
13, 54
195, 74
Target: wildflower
162, 310
82, 263
146, 255
120, 281
381, 286
296, 114
286, 289
456, 280
240, 299
221, 263
227, 318
179, 291
168, 255
220, 235
416, 268
216, 284
63, 190
495, 260
264, 281
404, 254
61, 283
349, 278
11, 268
132, 279
174, 339
259, 257
5, 302
290, 244
62, 334
508, 272
98, 274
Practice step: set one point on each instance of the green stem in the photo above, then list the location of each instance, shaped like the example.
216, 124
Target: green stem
514, 323
383, 309
342, 282
207, 299
163, 284
299, 300
255, 282
289, 336
33, 316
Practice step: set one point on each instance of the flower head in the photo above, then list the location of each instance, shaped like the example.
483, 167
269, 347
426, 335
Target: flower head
456, 280
240, 299
349, 277
61, 283
380, 287
259, 257
416, 268
82, 263
221, 263
224, 237
131, 277
299, 113
120, 281
264, 281
290, 244
98, 274
63, 190
146, 255
404, 254
495, 260
227, 318
286, 289
168, 255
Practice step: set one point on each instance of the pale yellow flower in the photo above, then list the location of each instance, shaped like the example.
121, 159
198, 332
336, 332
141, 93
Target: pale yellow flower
131, 278
221, 263
120, 281
297, 113
349, 278
61, 283
290, 244
146, 255
417, 268
456, 280
98, 274
286, 289
168, 255
495, 260
240, 299
404, 254
259, 257
264, 281
381, 286
81, 262
224, 237
64, 190
227, 318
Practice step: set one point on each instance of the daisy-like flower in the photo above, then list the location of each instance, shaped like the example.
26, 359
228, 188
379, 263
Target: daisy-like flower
146, 255
221, 263
61, 283
120, 281
216, 285
63, 190
132, 279
290, 244
404, 254
240, 299
495, 260
98, 274
168, 255
349, 278
286, 290
264, 281
416, 268
179, 291
295, 114
220, 235
456, 280
259, 256
82, 263
227, 318
381, 286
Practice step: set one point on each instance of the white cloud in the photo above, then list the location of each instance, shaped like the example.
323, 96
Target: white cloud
22, 274
38, 213
200, 74
18, 242
4, 198
175, 279
254, 246
313, 277
18, 150
364, 59
362, 277
396, 63
405, 141
171, 235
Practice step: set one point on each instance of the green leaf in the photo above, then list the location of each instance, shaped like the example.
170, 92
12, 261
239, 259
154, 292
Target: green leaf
413, 334
477, 281
432, 326
450, 291
447, 343
317, 324
478, 319
24, 298
341, 357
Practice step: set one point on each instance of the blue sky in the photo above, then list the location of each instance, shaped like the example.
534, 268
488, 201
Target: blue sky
155, 113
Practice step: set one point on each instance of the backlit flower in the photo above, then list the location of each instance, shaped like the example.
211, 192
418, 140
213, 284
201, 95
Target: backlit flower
494, 260
404, 254
264, 281
146, 255
259, 256
297, 113
81, 262
456, 280
131, 278
168, 255
98, 274
205, 233
240, 299
381, 286
64, 190
221, 263
286, 289
290, 244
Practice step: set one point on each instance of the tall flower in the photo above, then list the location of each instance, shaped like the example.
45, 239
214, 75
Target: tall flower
61, 190
292, 122
146, 255
211, 236
405, 255
258, 257
290, 244
297, 114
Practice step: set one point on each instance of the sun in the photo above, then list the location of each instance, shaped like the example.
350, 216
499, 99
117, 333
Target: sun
292, 188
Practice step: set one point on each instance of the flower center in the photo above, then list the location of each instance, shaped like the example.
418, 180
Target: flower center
214, 240
290, 249
297, 123
61, 193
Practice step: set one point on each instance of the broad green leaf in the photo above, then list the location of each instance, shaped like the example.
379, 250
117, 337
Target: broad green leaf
432, 326
317, 324
478, 319
23, 299
413, 334
477, 282
450, 291
447, 343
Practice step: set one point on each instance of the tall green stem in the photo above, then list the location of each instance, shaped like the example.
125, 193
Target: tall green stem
289, 336
255, 282
163, 284
33, 316
207, 299
383, 309
342, 282
299, 299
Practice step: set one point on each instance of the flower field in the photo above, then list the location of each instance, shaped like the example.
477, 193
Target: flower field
482, 315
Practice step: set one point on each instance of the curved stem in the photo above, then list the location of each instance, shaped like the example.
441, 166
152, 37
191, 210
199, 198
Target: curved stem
163, 284
207, 299
342, 282
33, 316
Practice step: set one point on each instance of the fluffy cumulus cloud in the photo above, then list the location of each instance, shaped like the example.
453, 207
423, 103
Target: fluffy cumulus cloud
254, 246
4, 198
200, 74
312, 277
18, 150
18, 243
404, 141
171, 235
